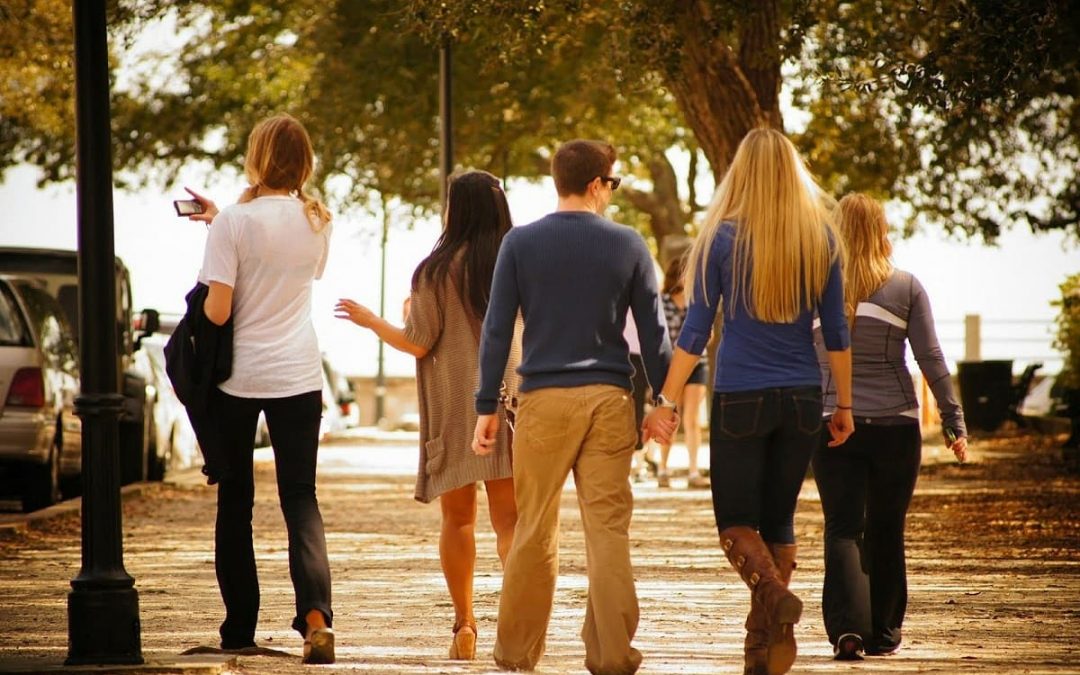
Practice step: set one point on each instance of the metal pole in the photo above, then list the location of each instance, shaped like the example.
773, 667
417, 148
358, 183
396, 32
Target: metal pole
103, 606
446, 121
380, 376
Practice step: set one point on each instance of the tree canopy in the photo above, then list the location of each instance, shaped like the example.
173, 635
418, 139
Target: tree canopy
963, 109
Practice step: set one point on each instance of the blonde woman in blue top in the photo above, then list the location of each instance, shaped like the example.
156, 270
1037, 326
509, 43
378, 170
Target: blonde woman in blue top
769, 255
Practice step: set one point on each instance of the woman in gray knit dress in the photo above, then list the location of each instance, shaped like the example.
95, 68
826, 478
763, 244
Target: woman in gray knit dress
450, 291
866, 484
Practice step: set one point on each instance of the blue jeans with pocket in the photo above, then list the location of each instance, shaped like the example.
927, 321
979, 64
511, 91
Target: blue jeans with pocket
761, 442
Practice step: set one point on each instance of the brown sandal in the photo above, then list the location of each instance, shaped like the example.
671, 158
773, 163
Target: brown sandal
463, 648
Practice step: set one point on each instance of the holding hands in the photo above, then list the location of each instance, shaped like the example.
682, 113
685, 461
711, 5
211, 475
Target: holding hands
660, 424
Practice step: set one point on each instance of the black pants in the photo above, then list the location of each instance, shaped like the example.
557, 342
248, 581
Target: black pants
866, 487
760, 446
293, 423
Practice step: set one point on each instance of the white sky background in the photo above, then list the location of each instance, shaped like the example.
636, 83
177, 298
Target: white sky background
1014, 281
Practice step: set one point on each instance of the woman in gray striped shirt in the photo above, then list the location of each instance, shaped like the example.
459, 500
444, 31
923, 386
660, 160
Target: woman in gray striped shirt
866, 484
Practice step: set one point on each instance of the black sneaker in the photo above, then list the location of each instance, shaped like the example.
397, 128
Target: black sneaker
882, 648
849, 647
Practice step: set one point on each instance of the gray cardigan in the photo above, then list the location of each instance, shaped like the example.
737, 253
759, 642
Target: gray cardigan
898, 313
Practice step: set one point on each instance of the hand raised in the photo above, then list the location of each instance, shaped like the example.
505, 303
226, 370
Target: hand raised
210, 209
355, 312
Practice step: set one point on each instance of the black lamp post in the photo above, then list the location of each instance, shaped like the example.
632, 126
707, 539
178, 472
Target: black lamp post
446, 124
103, 606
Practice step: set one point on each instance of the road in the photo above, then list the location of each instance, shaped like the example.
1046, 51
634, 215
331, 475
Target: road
993, 561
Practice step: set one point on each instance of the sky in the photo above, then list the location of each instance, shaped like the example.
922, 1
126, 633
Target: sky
1010, 285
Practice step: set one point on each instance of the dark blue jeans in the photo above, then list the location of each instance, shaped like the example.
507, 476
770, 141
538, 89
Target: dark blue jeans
293, 423
866, 486
760, 446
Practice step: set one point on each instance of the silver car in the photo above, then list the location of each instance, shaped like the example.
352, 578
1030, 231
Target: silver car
40, 435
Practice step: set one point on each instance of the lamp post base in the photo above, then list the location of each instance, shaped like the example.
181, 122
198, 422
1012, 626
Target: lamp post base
103, 627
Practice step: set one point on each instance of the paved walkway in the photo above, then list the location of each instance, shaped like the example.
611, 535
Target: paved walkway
993, 558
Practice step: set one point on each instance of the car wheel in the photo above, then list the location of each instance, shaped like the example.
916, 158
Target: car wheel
41, 482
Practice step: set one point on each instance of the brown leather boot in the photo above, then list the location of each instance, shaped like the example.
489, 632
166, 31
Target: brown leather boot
781, 644
780, 608
756, 644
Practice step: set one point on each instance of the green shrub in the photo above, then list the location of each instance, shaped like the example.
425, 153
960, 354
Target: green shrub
1067, 338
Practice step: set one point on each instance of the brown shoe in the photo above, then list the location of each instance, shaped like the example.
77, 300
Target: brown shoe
781, 609
319, 646
463, 648
697, 483
782, 647
756, 643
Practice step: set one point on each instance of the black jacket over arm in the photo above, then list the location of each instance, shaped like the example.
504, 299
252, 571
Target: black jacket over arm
198, 357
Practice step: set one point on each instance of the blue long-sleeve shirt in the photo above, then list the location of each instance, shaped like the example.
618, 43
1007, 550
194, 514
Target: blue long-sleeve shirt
572, 275
754, 354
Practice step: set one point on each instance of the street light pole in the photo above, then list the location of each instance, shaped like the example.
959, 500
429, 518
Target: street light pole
103, 606
380, 375
446, 121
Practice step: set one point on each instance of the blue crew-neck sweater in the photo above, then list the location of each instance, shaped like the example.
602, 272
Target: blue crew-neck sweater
754, 354
572, 275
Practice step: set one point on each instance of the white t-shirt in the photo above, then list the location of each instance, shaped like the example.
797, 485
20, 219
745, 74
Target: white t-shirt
267, 252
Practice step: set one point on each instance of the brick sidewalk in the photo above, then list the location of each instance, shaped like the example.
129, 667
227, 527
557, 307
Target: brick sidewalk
997, 603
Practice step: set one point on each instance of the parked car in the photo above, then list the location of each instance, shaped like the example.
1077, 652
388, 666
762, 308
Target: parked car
343, 396
40, 435
56, 271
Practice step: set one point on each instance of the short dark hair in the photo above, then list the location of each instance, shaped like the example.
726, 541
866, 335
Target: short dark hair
577, 163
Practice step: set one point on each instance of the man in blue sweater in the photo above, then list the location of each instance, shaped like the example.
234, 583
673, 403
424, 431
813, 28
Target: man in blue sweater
572, 274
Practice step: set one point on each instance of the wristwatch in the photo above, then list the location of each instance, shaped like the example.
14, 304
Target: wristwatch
662, 401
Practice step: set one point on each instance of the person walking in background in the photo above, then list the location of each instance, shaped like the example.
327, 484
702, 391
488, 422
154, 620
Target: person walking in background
573, 274
261, 257
450, 291
693, 393
866, 485
768, 254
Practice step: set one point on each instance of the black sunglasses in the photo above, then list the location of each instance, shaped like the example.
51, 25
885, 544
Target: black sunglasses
614, 180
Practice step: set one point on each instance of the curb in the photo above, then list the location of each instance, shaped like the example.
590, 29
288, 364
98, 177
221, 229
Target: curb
23, 523
210, 665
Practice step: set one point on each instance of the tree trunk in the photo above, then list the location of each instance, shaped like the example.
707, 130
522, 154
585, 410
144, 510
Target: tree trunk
724, 91
667, 215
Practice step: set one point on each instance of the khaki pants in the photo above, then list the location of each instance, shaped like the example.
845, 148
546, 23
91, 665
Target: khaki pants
589, 430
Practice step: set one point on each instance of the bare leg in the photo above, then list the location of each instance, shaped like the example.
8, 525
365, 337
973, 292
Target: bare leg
457, 548
691, 420
663, 478
502, 509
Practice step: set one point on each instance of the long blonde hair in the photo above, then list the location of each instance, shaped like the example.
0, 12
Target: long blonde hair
865, 233
280, 157
785, 239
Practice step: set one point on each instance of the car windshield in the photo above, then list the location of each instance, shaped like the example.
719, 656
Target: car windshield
13, 332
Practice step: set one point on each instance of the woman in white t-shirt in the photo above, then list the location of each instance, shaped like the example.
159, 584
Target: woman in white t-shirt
261, 256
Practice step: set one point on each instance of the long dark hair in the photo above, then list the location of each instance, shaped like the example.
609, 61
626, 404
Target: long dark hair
477, 219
